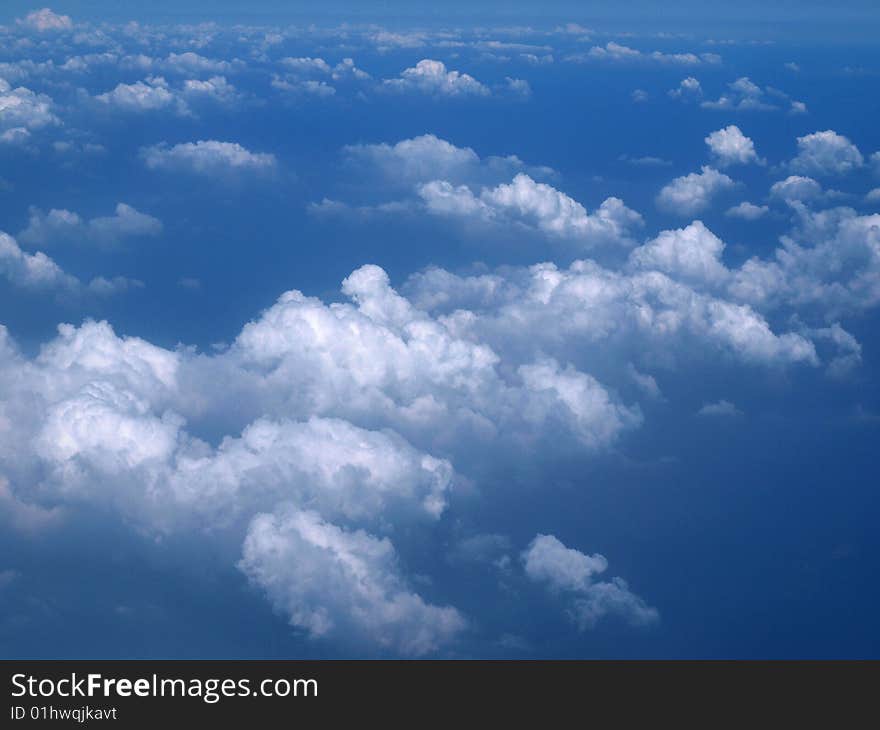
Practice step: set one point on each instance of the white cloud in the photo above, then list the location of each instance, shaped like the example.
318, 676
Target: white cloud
612, 51
32, 271
688, 88
796, 187
216, 88
590, 313
306, 65
432, 77
21, 108
689, 254
65, 227
332, 581
719, 408
45, 20
745, 95
731, 147
418, 159
747, 211
143, 96
207, 157
692, 193
572, 574
192, 63
427, 158
528, 202
832, 259
826, 153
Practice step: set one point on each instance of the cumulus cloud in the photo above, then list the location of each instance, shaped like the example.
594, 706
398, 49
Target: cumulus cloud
571, 574
796, 187
206, 157
104, 420
22, 110
45, 20
528, 202
149, 95
60, 226
427, 158
32, 271
613, 51
688, 254
826, 153
745, 95
432, 77
831, 259
688, 88
38, 272
590, 312
693, 193
719, 408
332, 581
731, 147
747, 211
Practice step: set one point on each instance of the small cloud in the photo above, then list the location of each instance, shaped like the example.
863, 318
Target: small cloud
747, 211
45, 20
206, 157
720, 408
190, 283
432, 77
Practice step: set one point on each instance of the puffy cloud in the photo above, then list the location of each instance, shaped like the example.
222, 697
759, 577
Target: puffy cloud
427, 158
38, 271
826, 153
589, 408
747, 211
528, 202
299, 77
731, 147
15, 136
45, 20
418, 159
719, 408
688, 88
216, 88
143, 96
63, 226
332, 581
571, 573
431, 77
32, 271
206, 157
692, 193
796, 187
592, 313
190, 63
612, 51
308, 66
21, 108
831, 260
745, 95
518, 87
688, 254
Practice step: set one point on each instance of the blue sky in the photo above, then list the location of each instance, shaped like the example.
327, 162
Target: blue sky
467, 335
